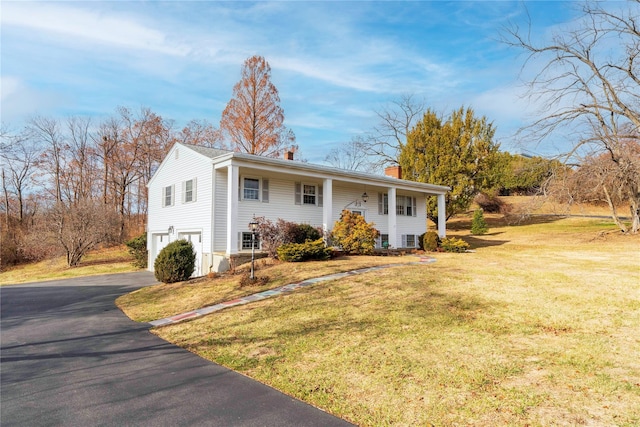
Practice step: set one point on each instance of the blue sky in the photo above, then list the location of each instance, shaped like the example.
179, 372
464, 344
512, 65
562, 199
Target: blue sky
334, 63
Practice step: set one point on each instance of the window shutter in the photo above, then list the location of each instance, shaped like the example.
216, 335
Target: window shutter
380, 204
184, 191
265, 191
413, 206
194, 189
173, 194
320, 196
298, 195
240, 189
404, 240
164, 196
239, 240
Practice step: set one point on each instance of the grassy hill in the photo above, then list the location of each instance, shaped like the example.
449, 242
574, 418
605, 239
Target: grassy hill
540, 325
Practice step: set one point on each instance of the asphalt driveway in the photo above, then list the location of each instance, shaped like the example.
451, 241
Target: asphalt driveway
70, 357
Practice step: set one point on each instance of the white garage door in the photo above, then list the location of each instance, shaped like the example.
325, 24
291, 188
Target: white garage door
158, 241
196, 240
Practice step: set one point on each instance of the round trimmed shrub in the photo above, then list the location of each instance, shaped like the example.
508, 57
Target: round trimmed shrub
431, 241
175, 262
306, 232
421, 241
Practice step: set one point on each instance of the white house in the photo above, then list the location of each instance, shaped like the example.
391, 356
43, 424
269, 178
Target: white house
210, 196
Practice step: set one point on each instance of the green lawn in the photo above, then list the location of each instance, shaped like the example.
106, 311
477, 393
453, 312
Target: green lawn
539, 326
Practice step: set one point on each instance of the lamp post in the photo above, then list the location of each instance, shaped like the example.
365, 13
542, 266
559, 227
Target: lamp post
253, 225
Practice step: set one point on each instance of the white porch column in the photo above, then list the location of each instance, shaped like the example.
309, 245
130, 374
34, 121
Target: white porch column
327, 207
393, 224
442, 216
232, 209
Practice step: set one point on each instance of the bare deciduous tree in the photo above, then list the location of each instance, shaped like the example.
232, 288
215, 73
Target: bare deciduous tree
79, 228
384, 143
351, 156
19, 156
81, 174
49, 132
201, 132
588, 81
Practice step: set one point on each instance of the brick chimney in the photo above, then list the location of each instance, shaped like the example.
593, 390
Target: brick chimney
393, 171
288, 155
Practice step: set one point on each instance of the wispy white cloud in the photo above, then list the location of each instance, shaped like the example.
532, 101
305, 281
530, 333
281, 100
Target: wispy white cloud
19, 101
83, 26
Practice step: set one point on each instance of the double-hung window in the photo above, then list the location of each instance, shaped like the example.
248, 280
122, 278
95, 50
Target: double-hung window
409, 241
189, 191
251, 189
405, 205
167, 196
309, 194
246, 241
383, 204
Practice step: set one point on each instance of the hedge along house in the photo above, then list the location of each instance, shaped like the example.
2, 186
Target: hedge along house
210, 196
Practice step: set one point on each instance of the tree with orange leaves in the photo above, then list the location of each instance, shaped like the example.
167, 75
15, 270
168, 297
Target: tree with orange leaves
253, 119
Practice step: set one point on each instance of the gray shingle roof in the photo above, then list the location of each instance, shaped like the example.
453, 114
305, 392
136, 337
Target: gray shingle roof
302, 166
207, 151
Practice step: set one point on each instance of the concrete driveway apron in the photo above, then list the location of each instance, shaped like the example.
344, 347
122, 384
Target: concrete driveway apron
70, 357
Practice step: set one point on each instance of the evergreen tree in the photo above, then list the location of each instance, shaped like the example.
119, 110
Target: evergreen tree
478, 224
458, 152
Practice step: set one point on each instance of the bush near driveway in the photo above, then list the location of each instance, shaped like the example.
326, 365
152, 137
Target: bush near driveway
175, 262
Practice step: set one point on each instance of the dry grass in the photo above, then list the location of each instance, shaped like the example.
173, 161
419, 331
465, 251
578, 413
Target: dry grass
539, 326
164, 300
102, 261
544, 205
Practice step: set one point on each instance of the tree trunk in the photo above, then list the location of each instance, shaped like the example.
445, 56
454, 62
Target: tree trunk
635, 214
614, 213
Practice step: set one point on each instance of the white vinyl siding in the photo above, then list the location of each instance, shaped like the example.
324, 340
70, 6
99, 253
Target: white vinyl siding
220, 211
169, 185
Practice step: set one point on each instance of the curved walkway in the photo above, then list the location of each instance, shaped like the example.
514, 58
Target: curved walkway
276, 292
